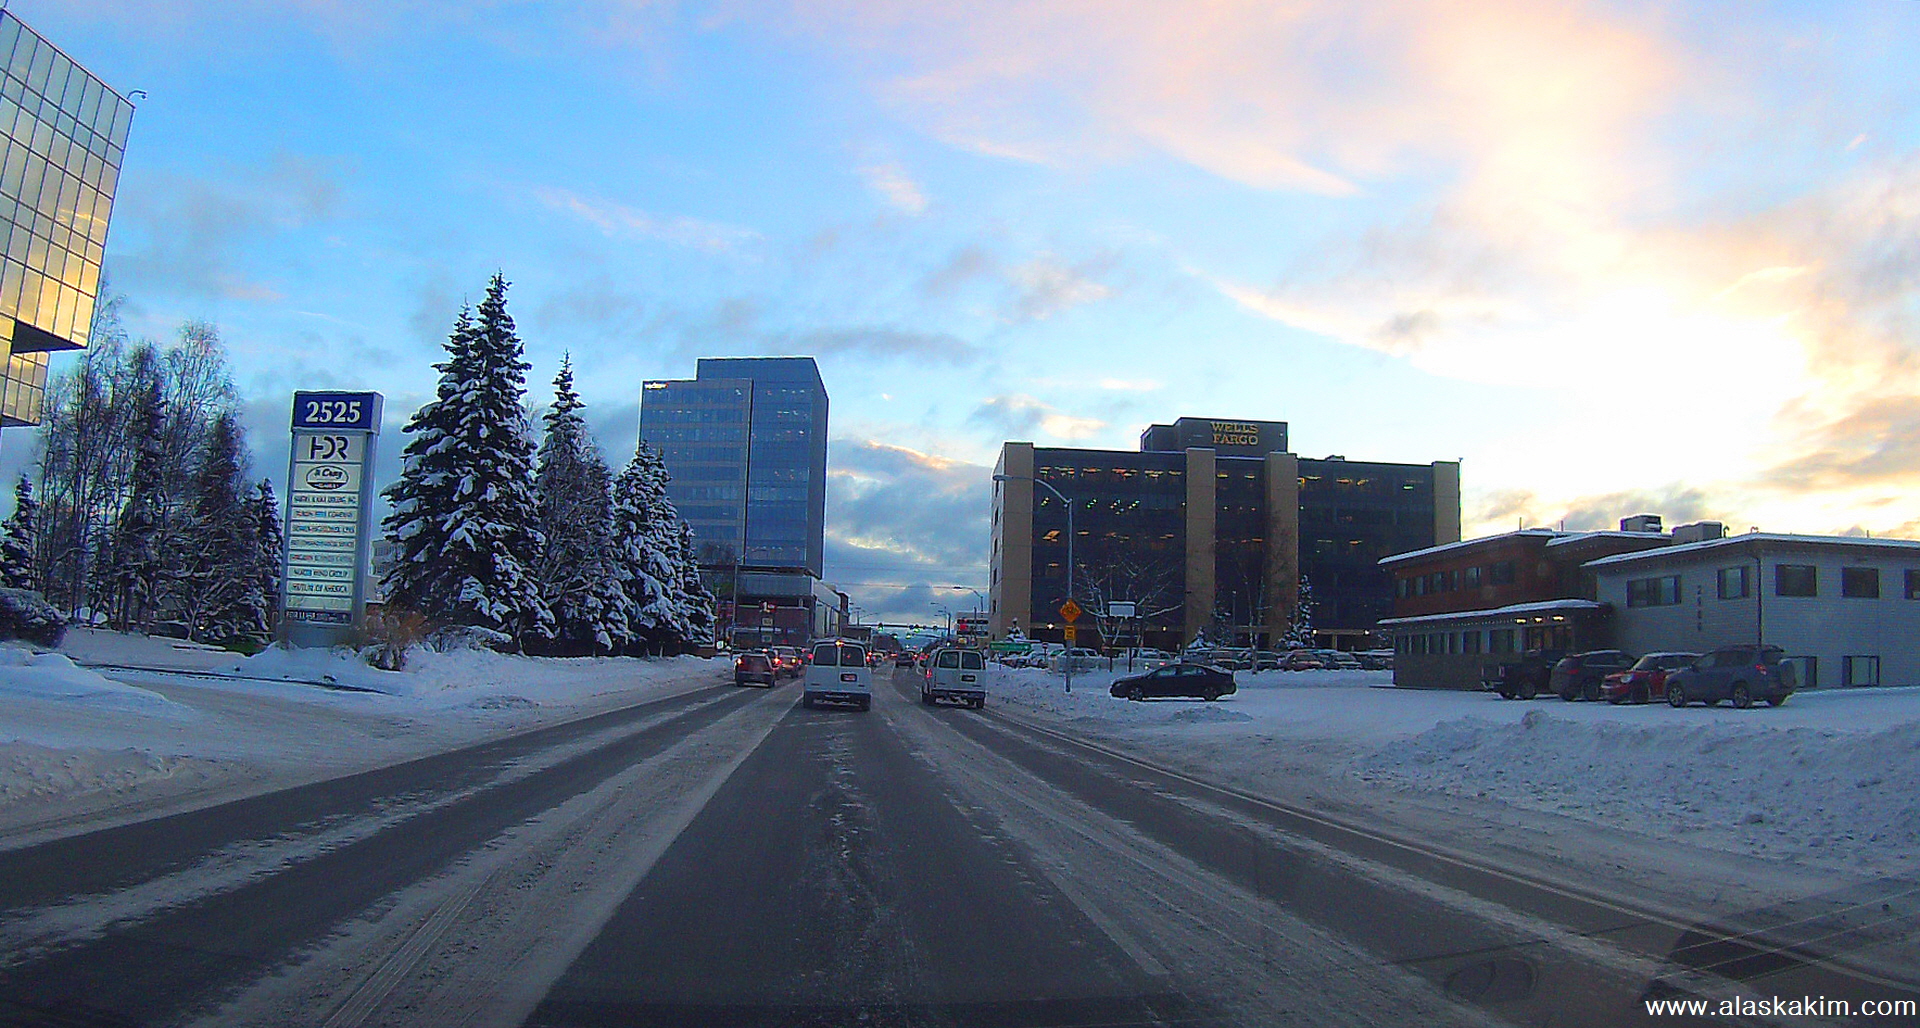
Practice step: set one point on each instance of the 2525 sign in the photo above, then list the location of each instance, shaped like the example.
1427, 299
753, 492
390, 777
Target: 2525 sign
348, 411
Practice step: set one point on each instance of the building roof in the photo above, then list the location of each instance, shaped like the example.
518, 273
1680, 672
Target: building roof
1524, 533
1574, 537
1759, 539
1510, 610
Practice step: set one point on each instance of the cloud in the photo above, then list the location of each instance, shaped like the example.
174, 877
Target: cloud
1044, 287
894, 185
192, 233
622, 222
967, 264
904, 526
1016, 414
1503, 510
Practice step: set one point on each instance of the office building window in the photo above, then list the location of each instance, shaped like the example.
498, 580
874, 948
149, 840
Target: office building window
1735, 583
1860, 670
1500, 640
1473, 577
1913, 584
1796, 580
1470, 642
1654, 592
1861, 583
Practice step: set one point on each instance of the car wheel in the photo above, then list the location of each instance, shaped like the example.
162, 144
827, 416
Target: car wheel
807, 702
1210, 695
1592, 691
1506, 692
866, 704
1741, 697
1569, 695
1528, 690
980, 704
1136, 694
1676, 695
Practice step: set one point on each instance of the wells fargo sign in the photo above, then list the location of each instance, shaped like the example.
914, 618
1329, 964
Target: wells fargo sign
1235, 433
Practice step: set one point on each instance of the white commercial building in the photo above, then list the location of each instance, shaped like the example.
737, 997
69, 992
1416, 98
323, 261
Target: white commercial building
1846, 609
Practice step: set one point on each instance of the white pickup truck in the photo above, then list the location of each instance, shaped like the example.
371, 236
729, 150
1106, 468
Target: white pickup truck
956, 674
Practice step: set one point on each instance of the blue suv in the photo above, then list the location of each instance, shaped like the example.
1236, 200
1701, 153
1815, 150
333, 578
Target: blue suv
1738, 673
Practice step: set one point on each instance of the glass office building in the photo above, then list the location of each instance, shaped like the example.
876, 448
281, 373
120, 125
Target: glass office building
745, 441
65, 134
1210, 526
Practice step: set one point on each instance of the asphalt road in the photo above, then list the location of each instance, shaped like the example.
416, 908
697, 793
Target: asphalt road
727, 857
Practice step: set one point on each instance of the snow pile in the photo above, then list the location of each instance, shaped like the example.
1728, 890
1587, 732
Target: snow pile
32, 772
477, 678
1847, 795
51, 676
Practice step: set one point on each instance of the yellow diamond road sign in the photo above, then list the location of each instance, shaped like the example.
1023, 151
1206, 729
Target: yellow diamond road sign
1070, 610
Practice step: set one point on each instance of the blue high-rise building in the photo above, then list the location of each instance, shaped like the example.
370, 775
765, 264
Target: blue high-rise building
745, 441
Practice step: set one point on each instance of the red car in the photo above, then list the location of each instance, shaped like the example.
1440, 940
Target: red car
1646, 680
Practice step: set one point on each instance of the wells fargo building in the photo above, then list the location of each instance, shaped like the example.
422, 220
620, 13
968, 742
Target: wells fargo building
64, 135
1210, 526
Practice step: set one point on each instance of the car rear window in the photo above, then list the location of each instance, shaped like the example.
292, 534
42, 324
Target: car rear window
972, 662
948, 659
829, 655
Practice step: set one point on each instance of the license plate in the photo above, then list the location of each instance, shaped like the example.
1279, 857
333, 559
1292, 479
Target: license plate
849, 678
966, 678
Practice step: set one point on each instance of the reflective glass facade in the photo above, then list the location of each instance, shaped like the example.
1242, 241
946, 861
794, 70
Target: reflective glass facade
746, 443
65, 134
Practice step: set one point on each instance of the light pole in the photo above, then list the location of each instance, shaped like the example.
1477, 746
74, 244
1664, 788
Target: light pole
982, 608
1064, 502
935, 604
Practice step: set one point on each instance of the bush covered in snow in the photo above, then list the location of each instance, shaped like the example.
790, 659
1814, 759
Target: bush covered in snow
27, 615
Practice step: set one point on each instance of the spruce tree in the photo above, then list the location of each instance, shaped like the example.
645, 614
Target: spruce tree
464, 513
696, 598
577, 573
21, 535
219, 557
140, 536
643, 553
430, 467
1300, 628
269, 556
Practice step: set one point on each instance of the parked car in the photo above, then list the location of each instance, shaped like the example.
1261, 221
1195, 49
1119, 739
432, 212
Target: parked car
956, 674
1266, 660
1527, 677
1376, 660
790, 663
1083, 659
1577, 676
1142, 659
1181, 679
1738, 673
1302, 660
838, 673
1646, 680
753, 666
1338, 660
1235, 659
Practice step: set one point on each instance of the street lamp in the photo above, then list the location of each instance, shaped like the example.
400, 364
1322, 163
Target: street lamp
1067, 504
935, 604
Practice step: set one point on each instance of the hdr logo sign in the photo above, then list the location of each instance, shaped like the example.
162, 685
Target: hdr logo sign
1235, 433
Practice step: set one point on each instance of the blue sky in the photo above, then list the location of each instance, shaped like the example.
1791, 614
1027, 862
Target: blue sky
1616, 257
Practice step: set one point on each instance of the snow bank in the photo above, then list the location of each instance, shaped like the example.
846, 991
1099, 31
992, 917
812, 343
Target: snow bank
47, 676
1831, 779
479, 679
1842, 794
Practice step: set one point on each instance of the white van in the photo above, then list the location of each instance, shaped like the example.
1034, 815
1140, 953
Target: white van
838, 672
955, 674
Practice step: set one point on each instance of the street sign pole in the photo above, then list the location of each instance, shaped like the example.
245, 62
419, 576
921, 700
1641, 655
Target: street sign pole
323, 574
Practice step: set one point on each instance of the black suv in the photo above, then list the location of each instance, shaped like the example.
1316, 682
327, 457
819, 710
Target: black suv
1526, 678
1578, 676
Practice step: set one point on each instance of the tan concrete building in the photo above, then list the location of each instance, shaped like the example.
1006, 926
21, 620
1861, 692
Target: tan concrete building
1209, 527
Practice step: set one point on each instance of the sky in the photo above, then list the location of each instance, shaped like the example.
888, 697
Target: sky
1613, 257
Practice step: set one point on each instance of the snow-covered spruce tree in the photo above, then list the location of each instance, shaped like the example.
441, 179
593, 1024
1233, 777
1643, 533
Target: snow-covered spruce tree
1300, 628
220, 547
695, 596
141, 531
643, 553
430, 467
270, 550
463, 512
578, 576
17, 544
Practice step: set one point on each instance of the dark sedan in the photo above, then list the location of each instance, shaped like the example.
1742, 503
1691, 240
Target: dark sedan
754, 667
1182, 679
1579, 676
